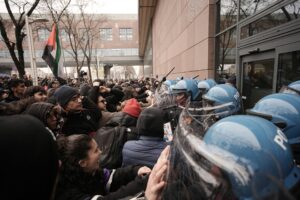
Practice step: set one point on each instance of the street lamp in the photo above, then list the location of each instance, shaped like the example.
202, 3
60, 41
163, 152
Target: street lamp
28, 22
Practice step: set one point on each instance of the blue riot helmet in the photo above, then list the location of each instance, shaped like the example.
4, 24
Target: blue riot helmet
239, 157
205, 85
257, 147
295, 85
170, 82
224, 99
188, 87
292, 88
284, 111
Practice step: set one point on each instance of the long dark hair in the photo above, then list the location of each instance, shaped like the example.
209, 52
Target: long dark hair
30, 91
71, 150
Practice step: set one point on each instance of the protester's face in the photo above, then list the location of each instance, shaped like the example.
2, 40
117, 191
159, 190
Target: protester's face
52, 120
74, 104
101, 103
4, 95
91, 163
181, 99
20, 89
55, 84
40, 96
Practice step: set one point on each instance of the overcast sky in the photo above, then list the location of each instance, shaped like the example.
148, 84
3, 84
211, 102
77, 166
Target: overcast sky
103, 6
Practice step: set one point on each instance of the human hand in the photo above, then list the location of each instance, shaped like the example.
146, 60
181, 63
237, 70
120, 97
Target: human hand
144, 171
103, 89
156, 181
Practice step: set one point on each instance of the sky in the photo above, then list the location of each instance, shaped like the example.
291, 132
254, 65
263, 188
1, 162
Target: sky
103, 6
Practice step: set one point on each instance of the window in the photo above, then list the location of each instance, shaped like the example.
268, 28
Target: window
250, 7
226, 66
106, 34
281, 16
288, 68
125, 33
227, 14
64, 35
43, 34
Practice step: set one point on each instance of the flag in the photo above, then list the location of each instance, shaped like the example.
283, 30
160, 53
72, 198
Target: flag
52, 53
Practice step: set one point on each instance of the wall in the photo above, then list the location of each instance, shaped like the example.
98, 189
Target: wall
183, 37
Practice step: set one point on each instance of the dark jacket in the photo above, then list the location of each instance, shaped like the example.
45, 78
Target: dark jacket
82, 122
16, 107
144, 151
150, 144
11, 98
125, 120
105, 184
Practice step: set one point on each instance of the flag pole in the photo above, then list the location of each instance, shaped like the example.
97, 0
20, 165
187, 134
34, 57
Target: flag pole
63, 54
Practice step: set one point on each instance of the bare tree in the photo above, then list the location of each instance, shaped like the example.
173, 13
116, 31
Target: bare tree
71, 24
83, 31
14, 42
90, 33
55, 8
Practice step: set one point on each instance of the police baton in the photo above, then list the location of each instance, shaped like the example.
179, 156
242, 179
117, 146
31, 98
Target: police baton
195, 77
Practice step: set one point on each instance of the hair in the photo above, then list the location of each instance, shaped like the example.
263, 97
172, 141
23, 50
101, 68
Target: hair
30, 91
15, 82
50, 92
71, 150
128, 93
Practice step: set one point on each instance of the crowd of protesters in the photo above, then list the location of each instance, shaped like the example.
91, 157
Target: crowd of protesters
108, 140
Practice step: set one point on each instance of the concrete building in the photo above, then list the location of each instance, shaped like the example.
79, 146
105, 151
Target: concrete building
258, 42
115, 43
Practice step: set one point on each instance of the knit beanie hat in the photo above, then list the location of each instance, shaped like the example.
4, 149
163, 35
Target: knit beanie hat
132, 108
64, 94
40, 110
26, 144
151, 122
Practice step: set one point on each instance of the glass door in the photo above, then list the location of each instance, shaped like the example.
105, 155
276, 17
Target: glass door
257, 77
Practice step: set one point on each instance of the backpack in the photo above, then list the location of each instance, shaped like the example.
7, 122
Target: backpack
110, 140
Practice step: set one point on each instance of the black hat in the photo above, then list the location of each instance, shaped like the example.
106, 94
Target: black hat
40, 110
64, 94
151, 122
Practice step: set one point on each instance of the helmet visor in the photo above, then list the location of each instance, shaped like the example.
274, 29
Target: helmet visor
163, 97
196, 169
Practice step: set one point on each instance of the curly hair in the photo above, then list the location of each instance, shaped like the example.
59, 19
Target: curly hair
30, 91
71, 150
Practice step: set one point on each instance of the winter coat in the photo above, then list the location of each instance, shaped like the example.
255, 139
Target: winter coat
82, 122
16, 107
106, 117
144, 151
103, 185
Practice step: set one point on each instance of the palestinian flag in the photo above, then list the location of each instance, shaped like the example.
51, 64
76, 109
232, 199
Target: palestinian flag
52, 53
